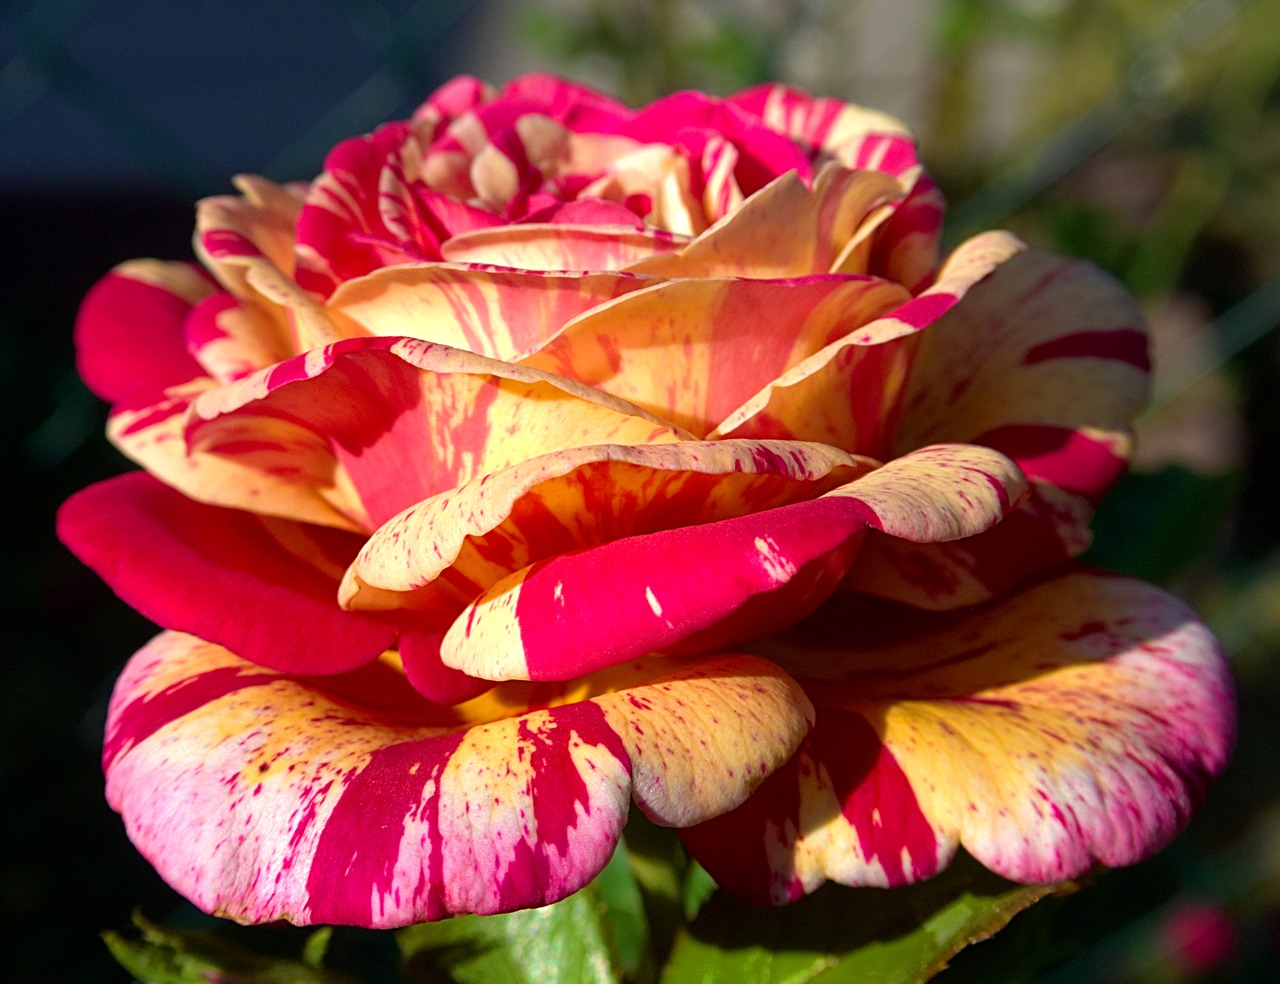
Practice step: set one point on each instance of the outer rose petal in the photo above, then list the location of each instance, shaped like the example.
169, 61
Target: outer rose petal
1046, 361
1078, 722
263, 588
263, 797
406, 419
494, 525
267, 465
129, 344
718, 584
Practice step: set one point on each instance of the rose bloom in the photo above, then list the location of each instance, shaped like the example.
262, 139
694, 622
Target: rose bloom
544, 455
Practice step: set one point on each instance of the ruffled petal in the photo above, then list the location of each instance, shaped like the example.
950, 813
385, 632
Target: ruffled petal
1075, 723
497, 313
264, 589
268, 465
407, 419
349, 800
699, 588
1044, 360
870, 364
732, 336
564, 501
787, 229
559, 246
247, 242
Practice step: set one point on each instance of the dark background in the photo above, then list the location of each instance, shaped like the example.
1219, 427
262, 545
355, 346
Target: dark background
114, 118
1143, 134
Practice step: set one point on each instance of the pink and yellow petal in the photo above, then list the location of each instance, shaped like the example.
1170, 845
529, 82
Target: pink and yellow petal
265, 464
1073, 724
825, 123
732, 336
497, 313
247, 242
231, 339
265, 589
501, 522
715, 585
787, 229
554, 247
1043, 344
1048, 526
236, 233
307, 803
871, 364
1046, 361
408, 419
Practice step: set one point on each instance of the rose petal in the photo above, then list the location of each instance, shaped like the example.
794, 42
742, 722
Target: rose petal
128, 334
716, 584
854, 134
787, 229
247, 242
557, 246
1046, 361
497, 313
264, 589
231, 339
265, 464
563, 501
407, 419
870, 364
732, 335
689, 120
341, 220
1075, 723
264, 797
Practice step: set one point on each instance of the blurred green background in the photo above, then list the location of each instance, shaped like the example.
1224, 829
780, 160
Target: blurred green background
1142, 134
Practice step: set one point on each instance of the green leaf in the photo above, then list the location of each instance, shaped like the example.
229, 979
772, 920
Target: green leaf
625, 923
566, 943
1153, 525
168, 956
850, 935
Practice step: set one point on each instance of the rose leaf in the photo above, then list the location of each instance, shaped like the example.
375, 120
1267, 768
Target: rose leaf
842, 935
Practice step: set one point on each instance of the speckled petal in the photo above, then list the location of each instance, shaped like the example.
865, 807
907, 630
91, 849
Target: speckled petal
714, 585
870, 364
556, 503
1044, 360
693, 350
350, 800
1073, 724
406, 419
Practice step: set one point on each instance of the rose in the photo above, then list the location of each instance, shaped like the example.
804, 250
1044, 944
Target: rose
543, 454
